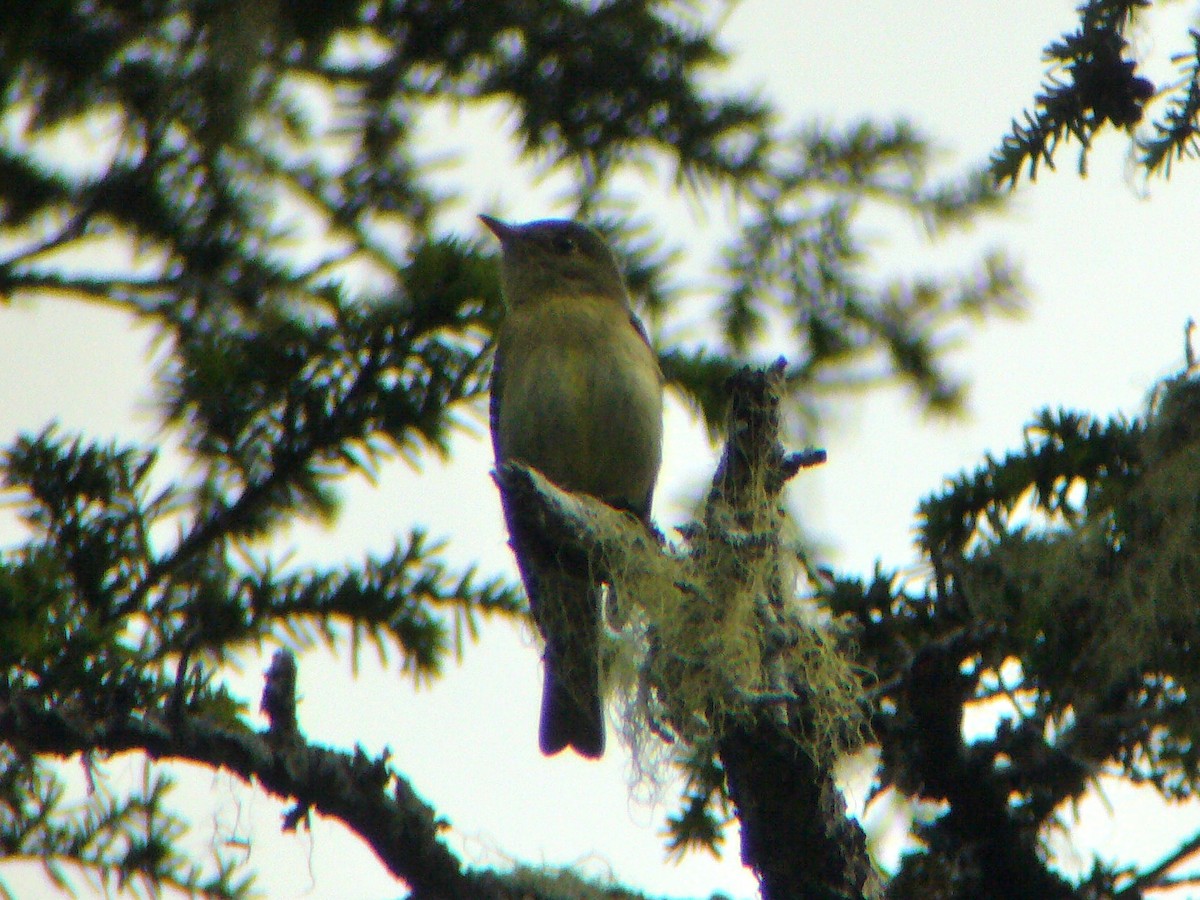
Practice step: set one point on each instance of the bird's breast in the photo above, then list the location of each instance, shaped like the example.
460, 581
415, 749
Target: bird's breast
581, 399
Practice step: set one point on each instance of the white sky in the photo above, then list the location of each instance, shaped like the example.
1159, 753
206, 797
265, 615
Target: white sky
1113, 276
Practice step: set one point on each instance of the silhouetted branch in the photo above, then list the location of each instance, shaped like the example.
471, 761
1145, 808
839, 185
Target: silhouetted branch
364, 794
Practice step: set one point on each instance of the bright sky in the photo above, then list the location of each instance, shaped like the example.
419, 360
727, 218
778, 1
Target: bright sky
1112, 269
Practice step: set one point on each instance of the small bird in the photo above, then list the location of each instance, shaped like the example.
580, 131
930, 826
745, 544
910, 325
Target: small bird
576, 394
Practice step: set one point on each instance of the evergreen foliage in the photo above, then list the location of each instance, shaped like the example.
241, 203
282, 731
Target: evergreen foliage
1092, 82
315, 319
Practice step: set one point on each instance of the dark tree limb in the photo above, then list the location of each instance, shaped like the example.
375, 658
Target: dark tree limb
795, 833
362, 793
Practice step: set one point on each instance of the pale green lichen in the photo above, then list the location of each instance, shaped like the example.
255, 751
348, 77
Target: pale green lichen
713, 631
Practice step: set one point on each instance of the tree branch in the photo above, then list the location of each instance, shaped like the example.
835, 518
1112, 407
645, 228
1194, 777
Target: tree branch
362, 793
795, 833
1158, 875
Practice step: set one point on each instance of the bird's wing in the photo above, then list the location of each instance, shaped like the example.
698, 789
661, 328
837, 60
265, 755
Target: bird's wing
494, 402
640, 329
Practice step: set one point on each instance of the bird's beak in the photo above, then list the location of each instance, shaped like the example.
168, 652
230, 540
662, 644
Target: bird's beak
502, 230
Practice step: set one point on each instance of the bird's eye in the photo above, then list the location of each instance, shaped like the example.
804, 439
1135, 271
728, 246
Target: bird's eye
564, 244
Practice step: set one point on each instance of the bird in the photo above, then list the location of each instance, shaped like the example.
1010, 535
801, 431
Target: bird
577, 394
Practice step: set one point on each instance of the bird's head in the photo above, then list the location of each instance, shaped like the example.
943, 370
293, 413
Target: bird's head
554, 258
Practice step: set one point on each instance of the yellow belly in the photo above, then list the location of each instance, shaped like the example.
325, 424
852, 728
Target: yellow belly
581, 399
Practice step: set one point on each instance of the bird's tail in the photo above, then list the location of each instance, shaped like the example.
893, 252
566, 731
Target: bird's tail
572, 710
